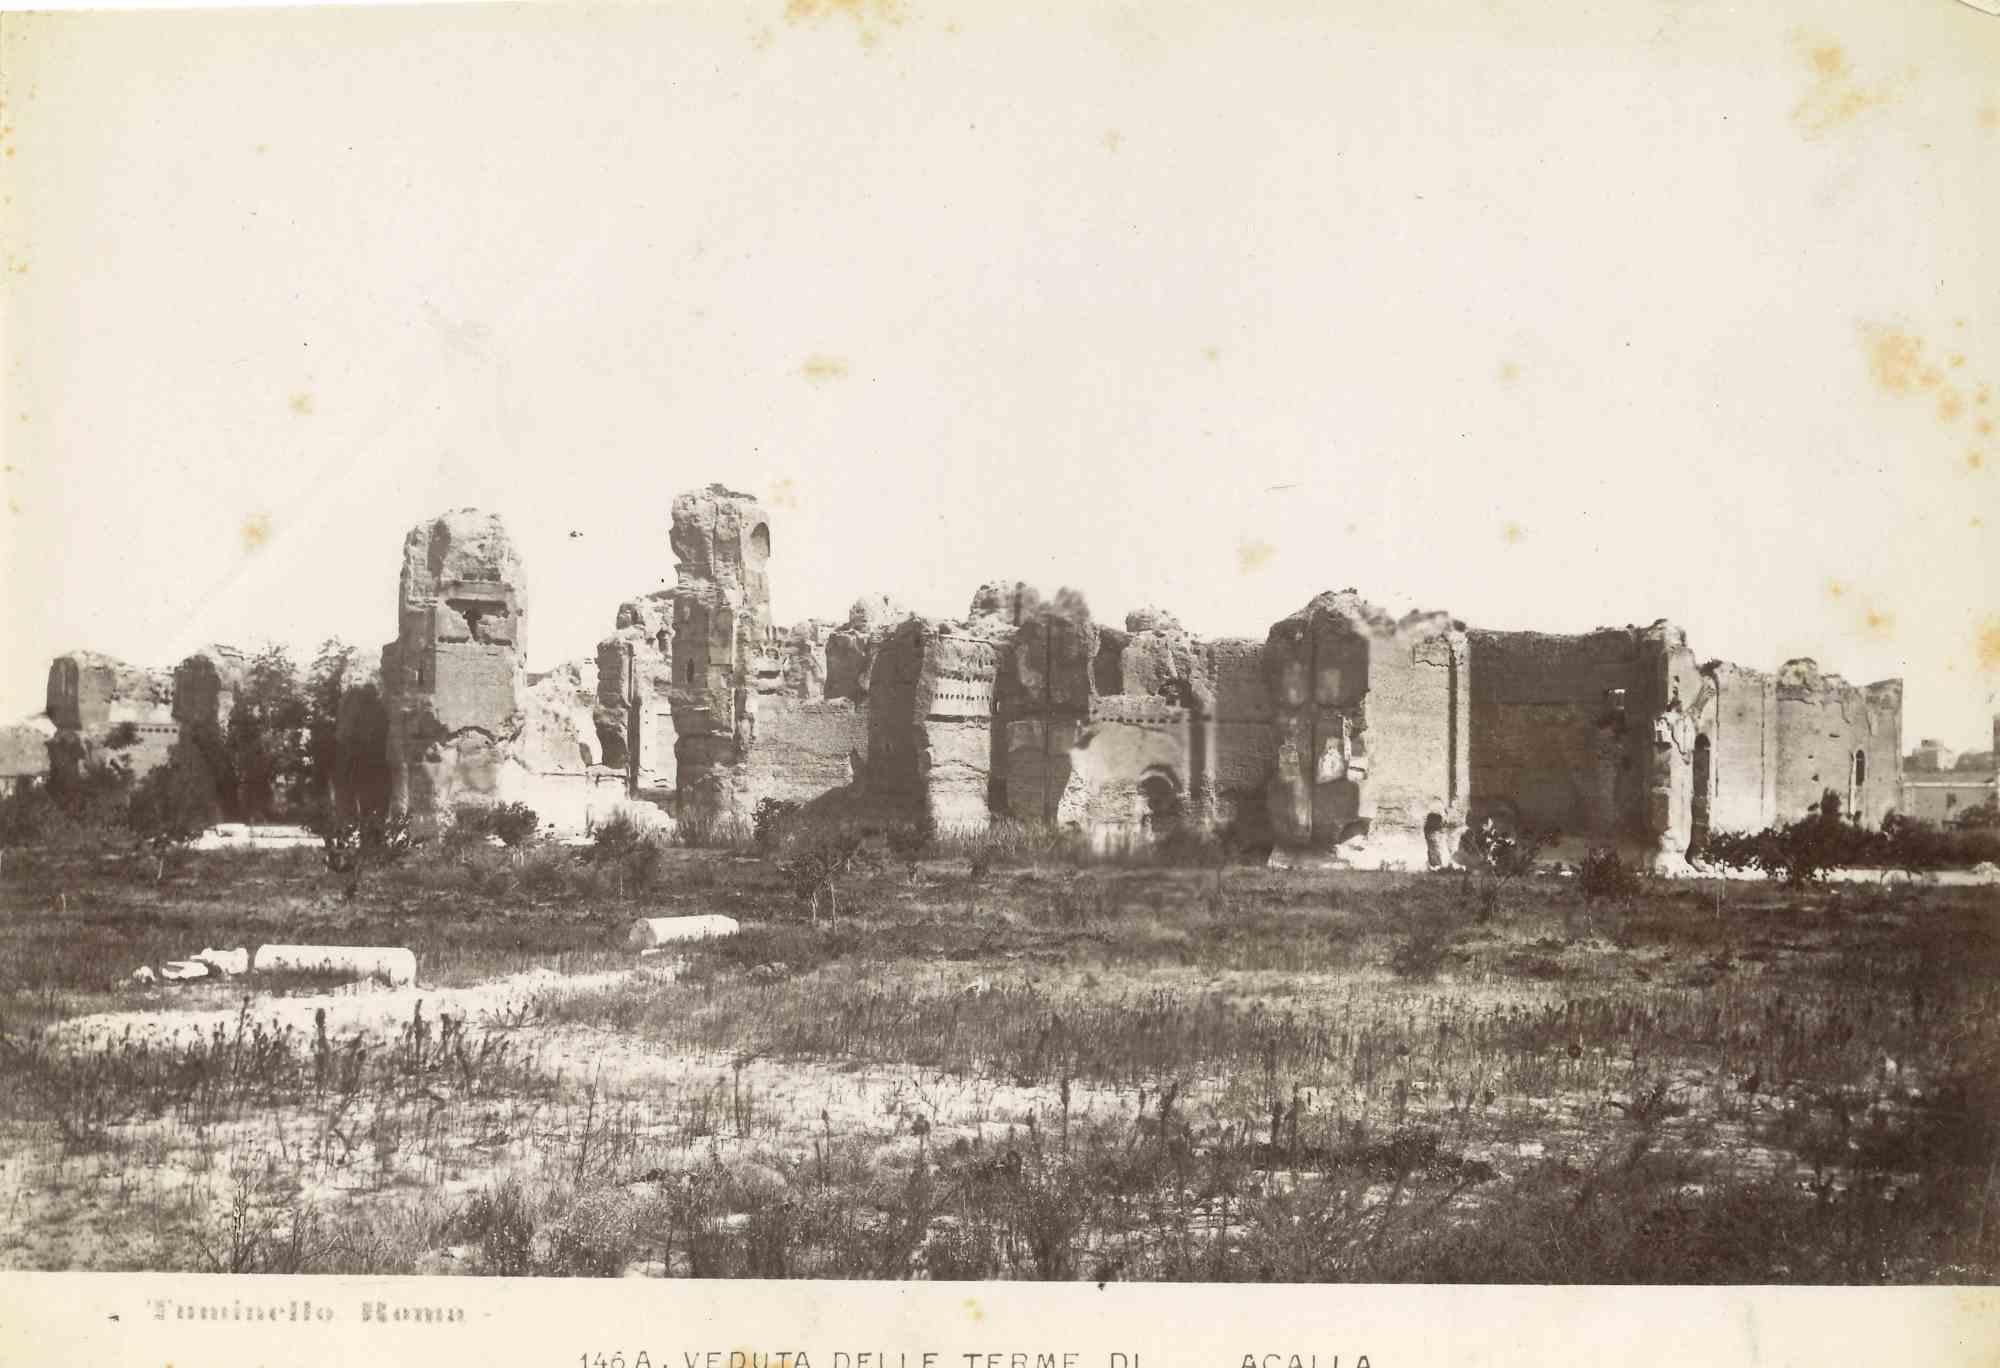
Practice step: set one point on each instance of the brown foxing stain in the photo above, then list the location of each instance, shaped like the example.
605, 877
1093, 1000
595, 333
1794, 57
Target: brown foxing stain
256, 531
973, 1310
1835, 589
1950, 404
1984, 427
1509, 372
820, 369
1896, 360
1877, 623
1834, 95
301, 403
1975, 461
867, 15
1513, 533
1986, 647
1113, 140
784, 494
13, 504
1212, 353
1989, 116
1253, 555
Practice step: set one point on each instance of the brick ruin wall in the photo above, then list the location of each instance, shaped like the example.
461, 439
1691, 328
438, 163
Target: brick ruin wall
1838, 737
1341, 727
93, 699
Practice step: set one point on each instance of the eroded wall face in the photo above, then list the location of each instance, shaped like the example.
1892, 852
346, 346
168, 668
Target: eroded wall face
452, 681
1560, 731
1239, 736
930, 724
1740, 726
721, 632
1836, 737
1133, 766
1368, 717
91, 695
1043, 689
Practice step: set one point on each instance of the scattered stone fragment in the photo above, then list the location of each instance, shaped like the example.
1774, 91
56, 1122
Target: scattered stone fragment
227, 963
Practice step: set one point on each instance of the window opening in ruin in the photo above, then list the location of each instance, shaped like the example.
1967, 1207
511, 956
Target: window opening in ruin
687, 673
760, 540
1703, 784
1859, 783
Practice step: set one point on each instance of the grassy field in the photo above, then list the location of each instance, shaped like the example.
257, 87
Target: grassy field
1027, 1066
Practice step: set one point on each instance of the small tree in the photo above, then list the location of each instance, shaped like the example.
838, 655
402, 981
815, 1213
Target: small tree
172, 805
266, 740
332, 670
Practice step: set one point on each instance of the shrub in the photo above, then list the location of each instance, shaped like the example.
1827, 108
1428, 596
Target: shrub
616, 837
352, 844
769, 822
1603, 875
500, 1221
815, 858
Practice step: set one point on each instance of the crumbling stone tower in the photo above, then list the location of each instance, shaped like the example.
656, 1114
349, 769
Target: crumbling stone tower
452, 680
721, 626
634, 709
1369, 720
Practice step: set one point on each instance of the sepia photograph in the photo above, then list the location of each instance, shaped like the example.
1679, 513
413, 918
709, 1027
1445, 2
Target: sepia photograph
1073, 644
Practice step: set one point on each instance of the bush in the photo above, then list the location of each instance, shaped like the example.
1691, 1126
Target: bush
815, 858
769, 822
353, 844
1603, 875
512, 824
615, 837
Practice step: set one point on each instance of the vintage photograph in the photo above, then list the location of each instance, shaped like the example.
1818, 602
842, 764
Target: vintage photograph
1094, 643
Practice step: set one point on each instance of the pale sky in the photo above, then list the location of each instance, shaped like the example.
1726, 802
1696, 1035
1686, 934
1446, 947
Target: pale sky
1548, 315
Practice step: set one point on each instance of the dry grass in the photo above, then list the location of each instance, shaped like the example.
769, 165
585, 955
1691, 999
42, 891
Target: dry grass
1015, 1063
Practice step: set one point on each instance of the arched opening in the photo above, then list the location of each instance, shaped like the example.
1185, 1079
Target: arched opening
1703, 786
760, 541
1160, 801
1857, 786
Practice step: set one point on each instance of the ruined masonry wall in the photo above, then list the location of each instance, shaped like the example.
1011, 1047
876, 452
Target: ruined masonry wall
1823, 721
1742, 728
1559, 726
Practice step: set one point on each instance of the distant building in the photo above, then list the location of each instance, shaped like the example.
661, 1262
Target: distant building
1939, 785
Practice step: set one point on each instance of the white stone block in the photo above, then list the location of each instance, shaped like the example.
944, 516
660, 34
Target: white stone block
394, 963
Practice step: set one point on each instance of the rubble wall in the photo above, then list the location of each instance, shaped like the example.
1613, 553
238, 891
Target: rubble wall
1742, 730
931, 728
1368, 714
92, 695
1559, 731
452, 681
805, 748
1824, 723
